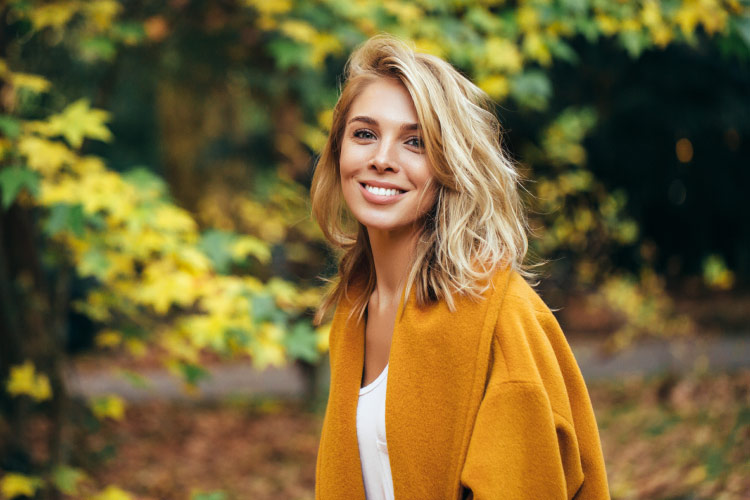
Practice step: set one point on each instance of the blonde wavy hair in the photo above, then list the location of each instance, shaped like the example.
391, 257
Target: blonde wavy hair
478, 221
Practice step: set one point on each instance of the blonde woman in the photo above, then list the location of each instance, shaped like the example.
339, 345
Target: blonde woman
484, 397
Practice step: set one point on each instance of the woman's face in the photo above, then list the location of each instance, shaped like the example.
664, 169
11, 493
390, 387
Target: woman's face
383, 164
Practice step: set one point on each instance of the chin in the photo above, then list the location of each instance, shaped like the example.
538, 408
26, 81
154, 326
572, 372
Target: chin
388, 227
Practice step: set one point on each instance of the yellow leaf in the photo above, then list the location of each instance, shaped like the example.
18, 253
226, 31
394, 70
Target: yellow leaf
313, 137
322, 336
323, 44
325, 119
111, 406
178, 347
536, 48
268, 350
136, 347
65, 190
105, 190
5, 147
427, 46
102, 13
270, 7
78, 121
204, 330
14, 485
53, 14
34, 83
661, 35
650, 13
284, 292
112, 493
502, 55
24, 380
696, 475
497, 86
608, 24
46, 157
108, 338
298, 30
687, 17
406, 12
267, 23
174, 219
248, 245
630, 24
192, 260
528, 18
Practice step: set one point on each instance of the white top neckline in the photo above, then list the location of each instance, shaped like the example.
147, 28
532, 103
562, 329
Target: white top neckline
372, 385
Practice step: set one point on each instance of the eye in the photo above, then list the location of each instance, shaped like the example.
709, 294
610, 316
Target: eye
415, 142
364, 133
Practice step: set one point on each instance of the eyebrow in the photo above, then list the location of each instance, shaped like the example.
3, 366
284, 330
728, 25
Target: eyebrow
372, 121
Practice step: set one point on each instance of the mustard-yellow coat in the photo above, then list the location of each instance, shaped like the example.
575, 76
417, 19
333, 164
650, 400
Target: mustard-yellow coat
487, 400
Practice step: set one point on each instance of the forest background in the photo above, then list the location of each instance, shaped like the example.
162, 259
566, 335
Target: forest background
155, 166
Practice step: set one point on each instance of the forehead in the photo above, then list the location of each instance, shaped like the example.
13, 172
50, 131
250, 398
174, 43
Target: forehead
385, 100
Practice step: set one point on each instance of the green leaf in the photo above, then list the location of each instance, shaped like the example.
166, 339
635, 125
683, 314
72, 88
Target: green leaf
562, 50
9, 126
97, 48
263, 309
634, 42
301, 342
531, 89
217, 245
136, 379
66, 479
13, 179
64, 217
145, 179
211, 495
193, 373
93, 263
129, 32
577, 6
742, 26
288, 53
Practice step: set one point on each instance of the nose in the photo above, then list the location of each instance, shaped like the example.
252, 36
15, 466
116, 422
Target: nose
384, 158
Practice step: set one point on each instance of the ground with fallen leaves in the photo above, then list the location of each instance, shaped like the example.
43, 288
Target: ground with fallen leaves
663, 438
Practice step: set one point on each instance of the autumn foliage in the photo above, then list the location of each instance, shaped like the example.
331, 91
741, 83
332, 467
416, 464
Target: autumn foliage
183, 262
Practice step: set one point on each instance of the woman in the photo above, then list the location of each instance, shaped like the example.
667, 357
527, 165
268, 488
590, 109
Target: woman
484, 397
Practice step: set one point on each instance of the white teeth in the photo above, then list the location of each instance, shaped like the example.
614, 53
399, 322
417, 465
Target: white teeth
381, 191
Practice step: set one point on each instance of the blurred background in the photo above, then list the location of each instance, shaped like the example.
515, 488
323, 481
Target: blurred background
159, 268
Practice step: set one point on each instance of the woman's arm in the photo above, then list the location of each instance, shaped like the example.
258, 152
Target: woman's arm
535, 434
519, 448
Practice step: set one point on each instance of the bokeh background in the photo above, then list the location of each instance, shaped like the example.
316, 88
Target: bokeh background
159, 268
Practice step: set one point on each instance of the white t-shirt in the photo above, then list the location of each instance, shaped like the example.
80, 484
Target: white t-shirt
373, 449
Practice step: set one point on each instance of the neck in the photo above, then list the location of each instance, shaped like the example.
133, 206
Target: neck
392, 253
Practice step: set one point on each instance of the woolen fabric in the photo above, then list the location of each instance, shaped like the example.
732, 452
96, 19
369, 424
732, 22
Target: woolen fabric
486, 402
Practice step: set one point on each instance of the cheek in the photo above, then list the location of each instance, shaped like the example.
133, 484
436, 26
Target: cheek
348, 161
423, 176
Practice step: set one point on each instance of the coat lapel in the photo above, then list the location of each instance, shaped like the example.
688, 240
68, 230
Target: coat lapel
438, 365
339, 467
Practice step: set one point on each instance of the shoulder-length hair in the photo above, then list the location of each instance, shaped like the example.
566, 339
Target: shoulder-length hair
478, 222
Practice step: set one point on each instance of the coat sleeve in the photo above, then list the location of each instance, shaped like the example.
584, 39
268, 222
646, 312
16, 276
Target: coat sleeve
519, 448
535, 434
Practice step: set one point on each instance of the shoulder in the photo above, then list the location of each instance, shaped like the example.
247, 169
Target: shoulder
528, 339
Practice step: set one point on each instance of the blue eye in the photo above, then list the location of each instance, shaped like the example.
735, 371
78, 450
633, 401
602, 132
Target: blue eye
415, 142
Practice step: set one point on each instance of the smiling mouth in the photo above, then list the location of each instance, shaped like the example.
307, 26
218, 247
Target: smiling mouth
381, 191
